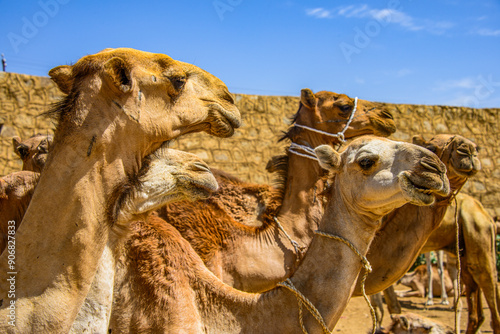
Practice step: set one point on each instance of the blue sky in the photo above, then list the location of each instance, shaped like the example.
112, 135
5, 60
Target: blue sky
401, 51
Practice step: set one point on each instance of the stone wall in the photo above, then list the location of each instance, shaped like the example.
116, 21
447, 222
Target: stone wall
23, 98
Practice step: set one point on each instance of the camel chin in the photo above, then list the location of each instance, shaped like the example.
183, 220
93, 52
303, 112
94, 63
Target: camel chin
414, 193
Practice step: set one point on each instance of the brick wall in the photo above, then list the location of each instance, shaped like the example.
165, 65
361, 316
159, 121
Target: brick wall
23, 98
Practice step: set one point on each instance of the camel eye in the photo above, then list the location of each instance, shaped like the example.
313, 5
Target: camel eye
178, 82
346, 108
366, 163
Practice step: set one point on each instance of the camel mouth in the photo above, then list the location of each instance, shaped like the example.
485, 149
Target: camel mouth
222, 122
200, 188
383, 127
417, 193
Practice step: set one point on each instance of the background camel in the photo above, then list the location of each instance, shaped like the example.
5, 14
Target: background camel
16, 190
418, 280
33, 151
118, 109
411, 323
167, 288
478, 256
235, 231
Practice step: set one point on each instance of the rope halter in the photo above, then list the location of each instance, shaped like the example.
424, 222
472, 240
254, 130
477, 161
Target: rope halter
308, 152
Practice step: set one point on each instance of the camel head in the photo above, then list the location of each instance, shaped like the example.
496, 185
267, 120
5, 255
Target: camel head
330, 112
161, 98
33, 151
459, 154
376, 175
166, 176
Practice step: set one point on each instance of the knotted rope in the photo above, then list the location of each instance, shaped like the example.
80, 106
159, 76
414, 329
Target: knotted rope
302, 300
293, 242
459, 267
339, 135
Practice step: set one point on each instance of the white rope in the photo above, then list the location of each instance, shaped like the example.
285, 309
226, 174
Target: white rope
310, 153
294, 243
339, 135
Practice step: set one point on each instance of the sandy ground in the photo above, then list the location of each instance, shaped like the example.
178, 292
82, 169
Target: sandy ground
357, 320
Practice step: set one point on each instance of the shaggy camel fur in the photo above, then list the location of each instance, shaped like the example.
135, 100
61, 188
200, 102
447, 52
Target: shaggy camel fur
16, 190
418, 281
234, 231
411, 323
121, 105
478, 259
166, 287
33, 151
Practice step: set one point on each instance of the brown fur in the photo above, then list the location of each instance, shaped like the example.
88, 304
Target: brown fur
411, 323
16, 190
418, 280
478, 249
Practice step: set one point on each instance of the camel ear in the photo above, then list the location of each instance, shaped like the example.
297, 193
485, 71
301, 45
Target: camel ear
328, 158
118, 72
21, 150
307, 98
62, 77
420, 141
15, 142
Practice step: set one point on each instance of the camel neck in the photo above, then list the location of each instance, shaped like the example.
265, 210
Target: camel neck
302, 206
64, 230
326, 276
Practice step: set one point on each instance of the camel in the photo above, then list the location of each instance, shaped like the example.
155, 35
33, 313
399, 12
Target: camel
440, 272
235, 232
411, 323
33, 151
460, 157
418, 281
478, 259
121, 105
166, 287
16, 190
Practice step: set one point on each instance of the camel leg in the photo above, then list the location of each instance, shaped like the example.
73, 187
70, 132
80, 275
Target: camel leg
391, 299
452, 269
377, 303
473, 302
444, 294
430, 296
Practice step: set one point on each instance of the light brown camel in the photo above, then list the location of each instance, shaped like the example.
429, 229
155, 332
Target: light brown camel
418, 281
33, 151
16, 190
121, 105
234, 231
411, 323
460, 157
166, 287
478, 259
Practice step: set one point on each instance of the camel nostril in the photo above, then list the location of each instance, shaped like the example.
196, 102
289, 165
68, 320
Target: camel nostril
387, 114
433, 166
201, 167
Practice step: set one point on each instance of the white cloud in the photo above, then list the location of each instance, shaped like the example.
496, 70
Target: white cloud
384, 16
403, 72
487, 32
463, 83
319, 13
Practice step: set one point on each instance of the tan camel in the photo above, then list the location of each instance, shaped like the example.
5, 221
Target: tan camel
166, 287
411, 323
16, 190
460, 157
234, 231
478, 262
121, 105
418, 281
33, 151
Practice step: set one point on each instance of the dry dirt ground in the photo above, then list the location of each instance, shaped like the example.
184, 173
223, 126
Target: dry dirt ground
357, 320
